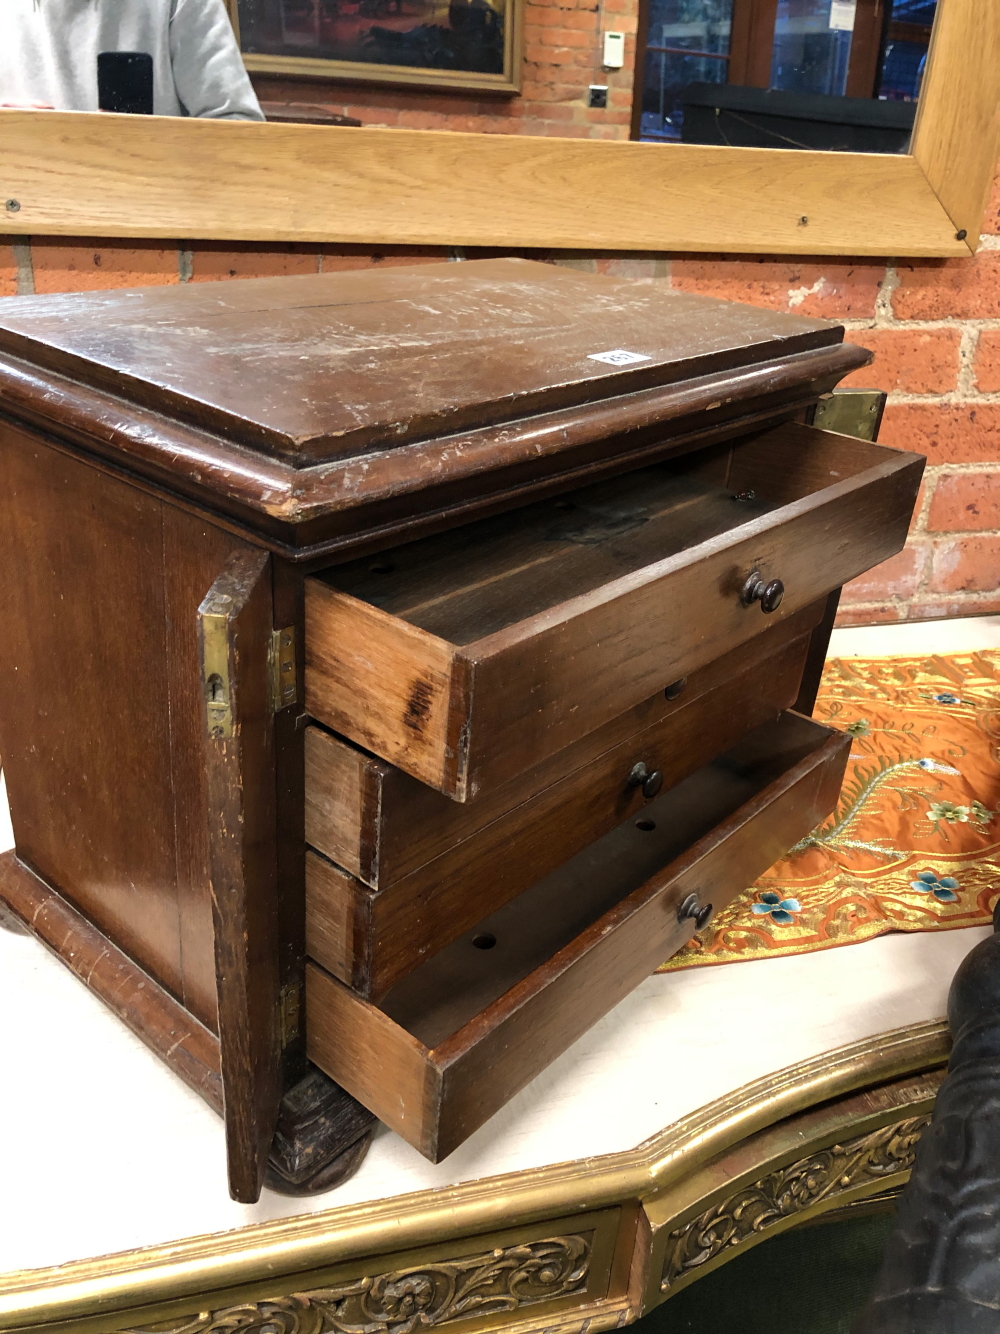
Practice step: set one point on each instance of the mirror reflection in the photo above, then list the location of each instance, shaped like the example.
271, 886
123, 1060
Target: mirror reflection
829, 74
816, 74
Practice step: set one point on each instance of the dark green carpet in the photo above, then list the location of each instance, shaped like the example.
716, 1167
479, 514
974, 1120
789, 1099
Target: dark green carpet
812, 1280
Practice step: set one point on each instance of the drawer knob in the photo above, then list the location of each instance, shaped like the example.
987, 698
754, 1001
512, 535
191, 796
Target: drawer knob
675, 688
649, 782
698, 914
768, 595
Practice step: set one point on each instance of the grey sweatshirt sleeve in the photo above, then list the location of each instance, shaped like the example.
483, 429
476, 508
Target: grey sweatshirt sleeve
207, 66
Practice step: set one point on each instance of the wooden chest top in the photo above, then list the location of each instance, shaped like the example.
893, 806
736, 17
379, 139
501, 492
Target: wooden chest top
300, 398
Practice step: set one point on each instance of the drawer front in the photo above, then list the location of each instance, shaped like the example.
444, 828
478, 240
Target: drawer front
486, 651
461, 1035
380, 824
370, 940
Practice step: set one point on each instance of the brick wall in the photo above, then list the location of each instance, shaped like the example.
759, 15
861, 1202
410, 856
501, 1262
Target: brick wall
934, 326
563, 49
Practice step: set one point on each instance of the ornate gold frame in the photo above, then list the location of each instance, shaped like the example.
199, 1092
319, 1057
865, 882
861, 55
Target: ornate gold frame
351, 71
570, 1247
95, 175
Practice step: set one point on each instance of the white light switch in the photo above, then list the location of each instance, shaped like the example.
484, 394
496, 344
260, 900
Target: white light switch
614, 50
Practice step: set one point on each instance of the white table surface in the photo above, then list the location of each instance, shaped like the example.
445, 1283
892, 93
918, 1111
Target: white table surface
121, 1154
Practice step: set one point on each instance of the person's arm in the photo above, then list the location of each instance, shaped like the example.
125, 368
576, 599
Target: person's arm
207, 66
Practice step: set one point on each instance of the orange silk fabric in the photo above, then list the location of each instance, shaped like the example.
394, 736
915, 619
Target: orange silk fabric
914, 844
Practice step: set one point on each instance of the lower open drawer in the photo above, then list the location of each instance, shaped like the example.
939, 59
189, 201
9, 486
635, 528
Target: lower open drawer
461, 1034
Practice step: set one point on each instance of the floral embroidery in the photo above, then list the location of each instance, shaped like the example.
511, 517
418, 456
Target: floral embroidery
943, 889
922, 790
778, 909
949, 812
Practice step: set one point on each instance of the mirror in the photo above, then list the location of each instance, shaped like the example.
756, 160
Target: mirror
536, 178
821, 74
807, 74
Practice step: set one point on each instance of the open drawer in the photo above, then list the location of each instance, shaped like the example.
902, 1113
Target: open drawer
468, 657
460, 1035
371, 936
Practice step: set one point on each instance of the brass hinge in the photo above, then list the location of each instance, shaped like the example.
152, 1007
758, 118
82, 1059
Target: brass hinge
288, 1013
215, 666
284, 685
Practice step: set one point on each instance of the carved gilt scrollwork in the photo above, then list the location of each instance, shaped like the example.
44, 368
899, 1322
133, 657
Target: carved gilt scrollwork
399, 1302
790, 1190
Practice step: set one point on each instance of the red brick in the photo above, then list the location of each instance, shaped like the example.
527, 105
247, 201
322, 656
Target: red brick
832, 288
630, 266
8, 269
212, 261
945, 289
915, 361
966, 564
965, 502
897, 577
991, 223
986, 367
76, 265
602, 116
959, 604
946, 432
566, 37
615, 132
336, 259
878, 615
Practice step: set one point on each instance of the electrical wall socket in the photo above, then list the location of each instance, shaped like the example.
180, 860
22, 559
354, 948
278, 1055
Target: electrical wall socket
598, 95
614, 50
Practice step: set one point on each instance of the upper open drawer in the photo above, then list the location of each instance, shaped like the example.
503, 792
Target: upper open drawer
467, 657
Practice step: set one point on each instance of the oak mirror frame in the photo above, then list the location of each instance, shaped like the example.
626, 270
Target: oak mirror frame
76, 174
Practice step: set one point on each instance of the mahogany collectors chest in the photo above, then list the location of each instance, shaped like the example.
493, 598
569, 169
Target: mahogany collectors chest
400, 665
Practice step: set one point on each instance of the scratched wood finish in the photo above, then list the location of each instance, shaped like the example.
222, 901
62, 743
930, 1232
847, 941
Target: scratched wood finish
387, 934
242, 824
461, 1035
101, 728
311, 455
380, 824
497, 646
322, 367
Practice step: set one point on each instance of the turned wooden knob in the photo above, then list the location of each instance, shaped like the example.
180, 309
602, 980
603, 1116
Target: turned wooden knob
698, 913
649, 782
768, 595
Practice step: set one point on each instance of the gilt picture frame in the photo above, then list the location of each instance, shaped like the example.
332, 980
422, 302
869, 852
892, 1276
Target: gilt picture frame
451, 45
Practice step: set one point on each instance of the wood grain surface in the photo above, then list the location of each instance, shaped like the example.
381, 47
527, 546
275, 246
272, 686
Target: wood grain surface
106, 175
425, 486
460, 1036
568, 613
380, 824
389, 933
956, 138
102, 720
242, 828
329, 366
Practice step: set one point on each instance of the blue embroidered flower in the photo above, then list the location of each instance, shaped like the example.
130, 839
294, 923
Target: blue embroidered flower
946, 698
778, 909
943, 889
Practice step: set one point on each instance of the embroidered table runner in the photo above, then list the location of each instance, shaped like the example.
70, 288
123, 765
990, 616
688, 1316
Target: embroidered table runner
914, 844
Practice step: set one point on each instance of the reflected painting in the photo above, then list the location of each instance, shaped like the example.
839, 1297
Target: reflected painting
456, 43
